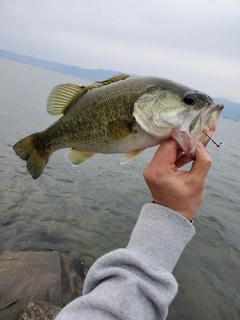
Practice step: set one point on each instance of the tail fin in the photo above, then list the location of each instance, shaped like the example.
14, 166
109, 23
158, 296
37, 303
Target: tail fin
36, 159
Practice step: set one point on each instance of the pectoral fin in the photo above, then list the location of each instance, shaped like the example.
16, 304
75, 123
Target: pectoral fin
120, 129
76, 157
130, 155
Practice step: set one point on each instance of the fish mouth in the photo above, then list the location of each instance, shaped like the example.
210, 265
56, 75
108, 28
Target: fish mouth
201, 128
210, 124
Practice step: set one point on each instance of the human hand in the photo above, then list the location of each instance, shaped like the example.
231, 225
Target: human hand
180, 190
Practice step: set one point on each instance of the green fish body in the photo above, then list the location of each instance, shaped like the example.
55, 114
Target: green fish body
120, 115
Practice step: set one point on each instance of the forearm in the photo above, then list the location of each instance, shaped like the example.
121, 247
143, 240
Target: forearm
136, 282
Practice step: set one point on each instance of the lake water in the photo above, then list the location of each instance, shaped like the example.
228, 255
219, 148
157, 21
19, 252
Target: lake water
89, 210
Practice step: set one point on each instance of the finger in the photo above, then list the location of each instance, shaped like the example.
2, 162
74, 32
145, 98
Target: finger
179, 154
167, 153
202, 164
184, 159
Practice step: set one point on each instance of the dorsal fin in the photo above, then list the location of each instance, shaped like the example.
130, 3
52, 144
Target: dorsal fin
99, 84
63, 96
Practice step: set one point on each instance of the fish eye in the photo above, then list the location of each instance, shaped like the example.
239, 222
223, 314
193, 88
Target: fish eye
189, 98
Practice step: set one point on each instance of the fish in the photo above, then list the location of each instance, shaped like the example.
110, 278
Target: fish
124, 114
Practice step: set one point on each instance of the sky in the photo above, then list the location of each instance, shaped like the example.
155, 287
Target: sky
196, 43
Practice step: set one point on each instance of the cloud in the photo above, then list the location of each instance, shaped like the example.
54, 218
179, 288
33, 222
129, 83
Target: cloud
191, 42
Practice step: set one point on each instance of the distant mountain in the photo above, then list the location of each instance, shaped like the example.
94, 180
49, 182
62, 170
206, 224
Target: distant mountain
231, 109
87, 74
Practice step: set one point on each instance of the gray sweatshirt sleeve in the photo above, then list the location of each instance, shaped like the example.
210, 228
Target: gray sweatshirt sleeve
136, 283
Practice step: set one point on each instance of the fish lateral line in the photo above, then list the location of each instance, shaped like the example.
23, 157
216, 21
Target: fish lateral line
117, 115
217, 144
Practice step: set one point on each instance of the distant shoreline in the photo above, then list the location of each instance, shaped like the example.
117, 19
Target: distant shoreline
231, 109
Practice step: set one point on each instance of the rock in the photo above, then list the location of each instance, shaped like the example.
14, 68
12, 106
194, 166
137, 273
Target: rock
40, 310
27, 277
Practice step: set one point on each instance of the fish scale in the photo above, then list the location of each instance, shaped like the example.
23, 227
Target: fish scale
119, 115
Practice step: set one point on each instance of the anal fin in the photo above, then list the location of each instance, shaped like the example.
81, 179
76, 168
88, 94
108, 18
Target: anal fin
76, 157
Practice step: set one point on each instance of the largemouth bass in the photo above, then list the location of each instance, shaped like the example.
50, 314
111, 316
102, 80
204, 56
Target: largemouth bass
120, 115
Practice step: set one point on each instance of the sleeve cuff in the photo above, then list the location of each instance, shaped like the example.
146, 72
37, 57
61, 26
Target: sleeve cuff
160, 236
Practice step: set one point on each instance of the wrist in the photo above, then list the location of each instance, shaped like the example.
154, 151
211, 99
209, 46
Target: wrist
191, 220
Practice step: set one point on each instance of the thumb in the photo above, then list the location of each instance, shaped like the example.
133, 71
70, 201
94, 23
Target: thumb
203, 162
